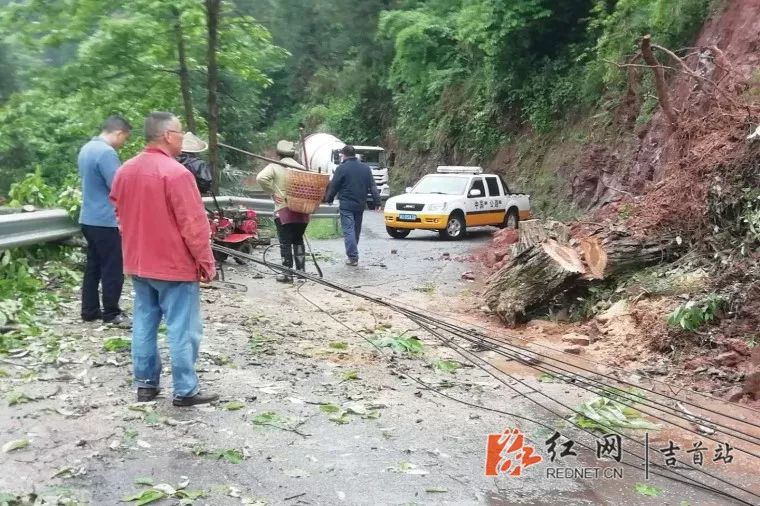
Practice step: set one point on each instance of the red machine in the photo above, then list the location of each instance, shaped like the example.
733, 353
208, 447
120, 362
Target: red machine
236, 229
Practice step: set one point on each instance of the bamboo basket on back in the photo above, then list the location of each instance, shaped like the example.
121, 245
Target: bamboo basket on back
304, 190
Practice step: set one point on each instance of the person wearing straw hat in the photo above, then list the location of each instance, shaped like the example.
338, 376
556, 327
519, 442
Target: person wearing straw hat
191, 145
290, 224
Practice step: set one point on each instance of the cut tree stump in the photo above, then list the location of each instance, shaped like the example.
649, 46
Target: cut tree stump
530, 278
542, 267
537, 231
595, 257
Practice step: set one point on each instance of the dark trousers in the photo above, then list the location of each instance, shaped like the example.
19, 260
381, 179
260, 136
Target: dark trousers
104, 267
351, 224
290, 235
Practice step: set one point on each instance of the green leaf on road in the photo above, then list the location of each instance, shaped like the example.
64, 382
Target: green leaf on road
199, 451
400, 344
647, 490
16, 444
14, 398
234, 405
7, 498
117, 344
341, 419
269, 418
145, 497
603, 413
448, 366
231, 455
548, 377
339, 345
350, 376
189, 494
329, 408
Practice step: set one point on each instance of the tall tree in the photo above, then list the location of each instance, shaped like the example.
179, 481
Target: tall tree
212, 23
184, 72
129, 57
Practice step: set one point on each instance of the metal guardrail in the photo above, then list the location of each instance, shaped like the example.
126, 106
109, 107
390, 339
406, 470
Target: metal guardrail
265, 207
23, 229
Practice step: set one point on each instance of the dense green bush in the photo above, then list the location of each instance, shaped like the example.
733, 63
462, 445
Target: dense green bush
34, 190
465, 74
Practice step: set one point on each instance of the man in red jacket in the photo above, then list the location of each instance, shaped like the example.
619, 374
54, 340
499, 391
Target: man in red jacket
167, 251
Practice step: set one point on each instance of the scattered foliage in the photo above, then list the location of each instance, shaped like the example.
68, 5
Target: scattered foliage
234, 405
400, 344
693, 314
448, 366
647, 490
603, 413
117, 344
350, 376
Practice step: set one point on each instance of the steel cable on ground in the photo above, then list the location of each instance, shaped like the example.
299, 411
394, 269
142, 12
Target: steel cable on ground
534, 390
618, 380
685, 480
395, 307
619, 393
575, 379
412, 314
617, 369
612, 378
522, 351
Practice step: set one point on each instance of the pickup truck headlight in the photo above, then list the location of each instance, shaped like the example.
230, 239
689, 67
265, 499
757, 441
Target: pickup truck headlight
439, 206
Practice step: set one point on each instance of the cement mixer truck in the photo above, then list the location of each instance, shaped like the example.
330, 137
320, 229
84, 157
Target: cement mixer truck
321, 153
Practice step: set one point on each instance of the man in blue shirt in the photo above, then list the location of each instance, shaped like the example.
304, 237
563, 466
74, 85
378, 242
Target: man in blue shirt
98, 162
351, 183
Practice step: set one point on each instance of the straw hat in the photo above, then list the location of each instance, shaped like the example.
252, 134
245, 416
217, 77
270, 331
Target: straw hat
286, 148
192, 144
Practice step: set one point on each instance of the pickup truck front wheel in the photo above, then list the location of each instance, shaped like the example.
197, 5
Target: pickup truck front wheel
397, 233
455, 228
512, 220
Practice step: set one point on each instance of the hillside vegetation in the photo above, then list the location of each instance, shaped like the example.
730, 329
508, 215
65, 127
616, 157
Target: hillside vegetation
435, 81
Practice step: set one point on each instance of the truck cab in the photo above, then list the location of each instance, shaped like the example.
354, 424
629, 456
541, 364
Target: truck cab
452, 200
320, 152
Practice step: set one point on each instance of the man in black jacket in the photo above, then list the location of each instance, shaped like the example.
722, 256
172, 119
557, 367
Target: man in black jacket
351, 182
191, 146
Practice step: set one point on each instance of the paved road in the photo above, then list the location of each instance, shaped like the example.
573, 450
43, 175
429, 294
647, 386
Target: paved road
290, 366
392, 267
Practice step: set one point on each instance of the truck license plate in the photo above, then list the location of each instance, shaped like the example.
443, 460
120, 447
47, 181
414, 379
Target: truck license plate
407, 217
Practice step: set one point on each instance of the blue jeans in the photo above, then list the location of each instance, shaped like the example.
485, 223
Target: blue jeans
351, 224
179, 302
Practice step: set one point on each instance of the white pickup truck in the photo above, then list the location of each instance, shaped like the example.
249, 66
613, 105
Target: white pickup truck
452, 200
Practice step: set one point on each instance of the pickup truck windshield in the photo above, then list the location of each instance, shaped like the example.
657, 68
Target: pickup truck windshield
444, 185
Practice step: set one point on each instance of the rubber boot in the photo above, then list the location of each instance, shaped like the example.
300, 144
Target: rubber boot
287, 261
299, 254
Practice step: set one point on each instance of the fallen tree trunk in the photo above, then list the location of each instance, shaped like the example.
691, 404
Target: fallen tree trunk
626, 254
540, 270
